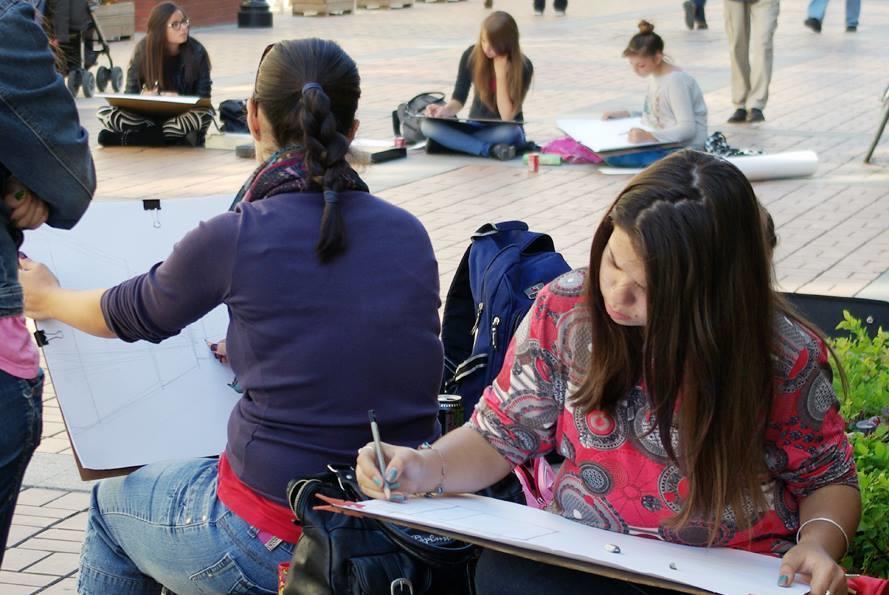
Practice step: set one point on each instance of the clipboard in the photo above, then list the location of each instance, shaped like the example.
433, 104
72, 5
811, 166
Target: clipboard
552, 539
159, 106
608, 137
471, 120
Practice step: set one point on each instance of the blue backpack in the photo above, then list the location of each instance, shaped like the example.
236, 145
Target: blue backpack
501, 273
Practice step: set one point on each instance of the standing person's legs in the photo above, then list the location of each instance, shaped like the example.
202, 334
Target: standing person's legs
853, 11
817, 8
700, 18
20, 429
763, 22
539, 5
163, 525
560, 5
737, 28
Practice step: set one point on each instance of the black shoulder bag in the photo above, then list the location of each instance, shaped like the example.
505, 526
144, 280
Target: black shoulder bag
346, 555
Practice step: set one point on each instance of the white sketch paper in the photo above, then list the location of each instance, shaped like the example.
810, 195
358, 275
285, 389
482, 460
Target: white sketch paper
128, 404
720, 570
604, 135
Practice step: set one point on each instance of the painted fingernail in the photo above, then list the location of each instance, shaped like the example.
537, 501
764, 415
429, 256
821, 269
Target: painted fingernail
19, 195
214, 347
783, 580
397, 498
377, 482
22, 254
391, 474
394, 485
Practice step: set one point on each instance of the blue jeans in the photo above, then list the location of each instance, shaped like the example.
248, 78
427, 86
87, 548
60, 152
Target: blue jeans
163, 525
20, 426
640, 159
817, 8
699, 10
475, 138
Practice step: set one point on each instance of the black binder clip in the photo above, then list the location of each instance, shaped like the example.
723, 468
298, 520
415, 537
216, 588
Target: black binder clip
43, 339
153, 204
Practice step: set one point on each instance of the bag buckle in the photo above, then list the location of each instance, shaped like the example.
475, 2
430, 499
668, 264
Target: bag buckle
401, 586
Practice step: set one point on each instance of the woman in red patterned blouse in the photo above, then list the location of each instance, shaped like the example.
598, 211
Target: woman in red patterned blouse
689, 403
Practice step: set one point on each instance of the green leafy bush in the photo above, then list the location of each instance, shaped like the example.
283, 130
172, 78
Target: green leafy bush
866, 362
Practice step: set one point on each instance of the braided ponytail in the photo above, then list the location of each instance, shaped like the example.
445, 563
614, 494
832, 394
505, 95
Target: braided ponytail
321, 81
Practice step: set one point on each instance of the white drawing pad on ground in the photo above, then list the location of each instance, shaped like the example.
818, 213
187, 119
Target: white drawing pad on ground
604, 135
526, 529
128, 404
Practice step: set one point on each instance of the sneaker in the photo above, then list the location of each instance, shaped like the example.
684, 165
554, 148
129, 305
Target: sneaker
538, 13
502, 152
246, 151
756, 115
689, 7
738, 117
813, 24
560, 13
851, 28
489, 3
701, 25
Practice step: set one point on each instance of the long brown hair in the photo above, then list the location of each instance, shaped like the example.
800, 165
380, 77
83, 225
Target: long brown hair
503, 35
152, 50
318, 119
705, 354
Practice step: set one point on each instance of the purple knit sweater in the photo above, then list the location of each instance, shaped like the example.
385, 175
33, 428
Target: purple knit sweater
314, 346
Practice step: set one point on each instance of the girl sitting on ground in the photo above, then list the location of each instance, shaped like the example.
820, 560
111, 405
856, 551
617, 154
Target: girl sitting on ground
674, 108
311, 352
501, 76
168, 61
690, 402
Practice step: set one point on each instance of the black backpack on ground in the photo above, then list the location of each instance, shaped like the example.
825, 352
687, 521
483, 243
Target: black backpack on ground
233, 113
405, 122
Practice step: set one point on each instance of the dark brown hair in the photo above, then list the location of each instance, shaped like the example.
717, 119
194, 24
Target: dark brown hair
319, 120
503, 35
705, 353
646, 43
152, 50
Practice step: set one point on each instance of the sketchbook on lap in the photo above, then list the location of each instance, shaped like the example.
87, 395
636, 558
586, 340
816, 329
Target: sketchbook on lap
129, 404
607, 136
544, 536
155, 105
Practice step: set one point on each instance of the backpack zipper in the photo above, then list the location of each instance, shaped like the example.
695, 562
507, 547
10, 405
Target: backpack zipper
494, 324
478, 318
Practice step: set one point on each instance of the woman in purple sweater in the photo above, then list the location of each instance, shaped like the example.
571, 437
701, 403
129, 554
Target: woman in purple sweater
333, 302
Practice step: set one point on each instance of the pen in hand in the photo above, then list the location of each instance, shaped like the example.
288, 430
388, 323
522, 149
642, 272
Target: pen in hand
378, 448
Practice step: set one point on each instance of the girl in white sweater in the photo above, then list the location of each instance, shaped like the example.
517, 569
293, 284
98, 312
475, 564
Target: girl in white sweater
674, 109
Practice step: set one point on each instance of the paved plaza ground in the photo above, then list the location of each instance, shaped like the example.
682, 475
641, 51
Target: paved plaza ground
833, 227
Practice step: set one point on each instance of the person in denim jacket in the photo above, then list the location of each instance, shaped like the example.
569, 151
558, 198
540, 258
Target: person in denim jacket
46, 175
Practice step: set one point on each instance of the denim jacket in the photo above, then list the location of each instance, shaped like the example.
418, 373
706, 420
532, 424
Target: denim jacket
41, 140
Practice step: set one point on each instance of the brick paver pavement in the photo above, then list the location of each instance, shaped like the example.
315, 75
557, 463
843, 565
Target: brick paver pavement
833, 227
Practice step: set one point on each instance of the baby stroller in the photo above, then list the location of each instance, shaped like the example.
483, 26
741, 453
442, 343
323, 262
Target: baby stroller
78, 32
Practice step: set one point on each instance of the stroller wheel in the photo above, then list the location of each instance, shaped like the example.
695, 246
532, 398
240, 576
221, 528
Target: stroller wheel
89, 83
117, 79
75, 79
103, 77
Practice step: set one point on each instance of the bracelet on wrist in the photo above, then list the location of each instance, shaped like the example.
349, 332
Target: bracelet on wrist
825, 520
439, 489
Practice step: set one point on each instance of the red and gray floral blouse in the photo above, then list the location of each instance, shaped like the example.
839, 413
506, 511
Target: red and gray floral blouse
616, 474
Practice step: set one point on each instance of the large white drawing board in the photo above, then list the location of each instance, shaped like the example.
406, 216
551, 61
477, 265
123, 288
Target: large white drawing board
603, 136
128, 404
528, 531
774, 166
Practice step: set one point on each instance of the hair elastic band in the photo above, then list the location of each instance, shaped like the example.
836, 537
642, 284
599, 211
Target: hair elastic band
308, 86
331, 197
